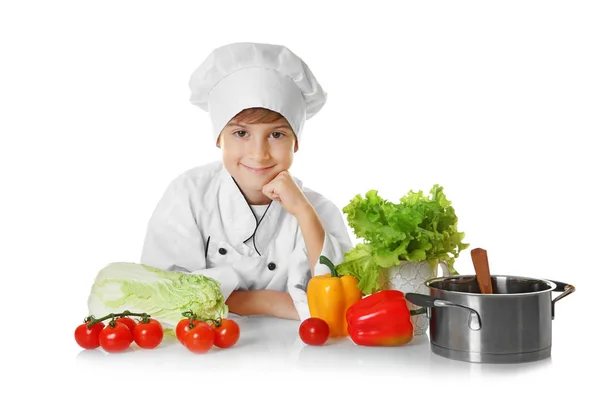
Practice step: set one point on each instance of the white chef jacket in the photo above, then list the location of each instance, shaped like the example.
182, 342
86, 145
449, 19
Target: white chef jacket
204, 225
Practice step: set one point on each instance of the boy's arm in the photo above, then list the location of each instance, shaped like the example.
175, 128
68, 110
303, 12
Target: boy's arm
313, 234
322, 232
315, 241
262, 302
275, 303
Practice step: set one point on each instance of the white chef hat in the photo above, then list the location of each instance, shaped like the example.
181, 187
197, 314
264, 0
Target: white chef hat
247, 75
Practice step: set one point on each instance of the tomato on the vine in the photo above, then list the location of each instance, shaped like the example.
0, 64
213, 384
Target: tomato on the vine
88, 338
184, 326
129, 322
148, 335
115, 338
199, 339
314, 331
227, 334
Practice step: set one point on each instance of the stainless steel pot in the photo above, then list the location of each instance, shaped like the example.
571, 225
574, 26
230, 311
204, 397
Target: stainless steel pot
512, 325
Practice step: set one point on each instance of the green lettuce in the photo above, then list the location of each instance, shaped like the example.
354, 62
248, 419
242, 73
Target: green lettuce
417, 228
162, 294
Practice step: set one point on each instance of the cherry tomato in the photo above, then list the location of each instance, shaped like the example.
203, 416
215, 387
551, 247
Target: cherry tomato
115, 339
199, 339
227, 334
88, 338
183, 327
314, 331
129, 322
148, 335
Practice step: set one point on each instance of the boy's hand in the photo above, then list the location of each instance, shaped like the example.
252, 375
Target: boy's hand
284, 190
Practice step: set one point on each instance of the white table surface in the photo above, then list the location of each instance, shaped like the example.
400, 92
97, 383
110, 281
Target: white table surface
270, 371
271, 344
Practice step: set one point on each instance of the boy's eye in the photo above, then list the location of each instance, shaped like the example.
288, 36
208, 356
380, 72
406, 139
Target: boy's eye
275, 134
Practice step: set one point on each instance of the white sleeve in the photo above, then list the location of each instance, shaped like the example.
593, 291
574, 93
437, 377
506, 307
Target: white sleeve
174, 242
337, 242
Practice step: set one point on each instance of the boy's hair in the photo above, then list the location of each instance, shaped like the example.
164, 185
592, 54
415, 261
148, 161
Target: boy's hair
258, 116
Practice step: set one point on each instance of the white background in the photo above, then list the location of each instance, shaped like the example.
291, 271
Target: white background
495, 101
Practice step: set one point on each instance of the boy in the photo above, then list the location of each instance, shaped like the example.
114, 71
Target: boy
246, 221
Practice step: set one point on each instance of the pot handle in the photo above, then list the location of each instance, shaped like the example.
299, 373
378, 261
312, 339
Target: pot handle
430, 302
566, 290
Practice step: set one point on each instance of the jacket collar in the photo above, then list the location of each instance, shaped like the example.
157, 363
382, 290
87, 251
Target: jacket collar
239, 222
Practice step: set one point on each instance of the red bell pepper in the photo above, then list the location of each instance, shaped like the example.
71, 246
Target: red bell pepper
380, 319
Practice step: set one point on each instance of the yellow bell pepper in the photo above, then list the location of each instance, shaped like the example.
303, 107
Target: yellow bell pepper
330, 296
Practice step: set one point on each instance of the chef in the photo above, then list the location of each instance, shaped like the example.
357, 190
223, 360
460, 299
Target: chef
245, 220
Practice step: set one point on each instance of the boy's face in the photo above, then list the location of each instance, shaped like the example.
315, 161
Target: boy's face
255, 153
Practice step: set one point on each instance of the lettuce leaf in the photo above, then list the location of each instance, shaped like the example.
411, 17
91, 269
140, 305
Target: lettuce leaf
360, 263
417, 228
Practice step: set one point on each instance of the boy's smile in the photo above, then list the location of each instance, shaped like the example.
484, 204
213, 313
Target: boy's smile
258, 170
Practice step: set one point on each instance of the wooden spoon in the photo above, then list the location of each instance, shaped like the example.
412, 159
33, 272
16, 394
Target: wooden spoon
482, 270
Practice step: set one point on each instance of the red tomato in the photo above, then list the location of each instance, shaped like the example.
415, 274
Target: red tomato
127, 321
88, 338
130, 324
199, 339
227, 334
314, 331
184, 326
115, 339
148, 335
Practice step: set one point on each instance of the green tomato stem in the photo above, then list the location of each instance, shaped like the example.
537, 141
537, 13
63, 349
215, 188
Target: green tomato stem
190, 315
113, 315
217, 322
193, 317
